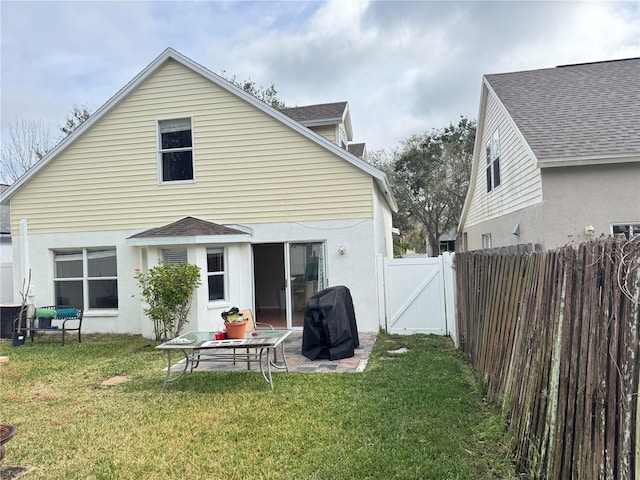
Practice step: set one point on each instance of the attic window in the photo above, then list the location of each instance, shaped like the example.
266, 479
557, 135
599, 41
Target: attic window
493, 162
175, 150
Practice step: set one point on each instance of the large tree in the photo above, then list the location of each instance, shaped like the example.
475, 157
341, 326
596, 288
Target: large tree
431, 176
412, 236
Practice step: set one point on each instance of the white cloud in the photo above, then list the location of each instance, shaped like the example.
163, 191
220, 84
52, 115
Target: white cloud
405, 67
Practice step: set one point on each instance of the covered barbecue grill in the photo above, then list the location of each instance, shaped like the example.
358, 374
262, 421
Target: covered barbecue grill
330, 329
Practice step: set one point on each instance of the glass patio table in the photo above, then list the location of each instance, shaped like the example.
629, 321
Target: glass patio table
202, 347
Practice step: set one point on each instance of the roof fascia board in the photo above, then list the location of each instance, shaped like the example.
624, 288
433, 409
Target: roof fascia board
189, 240
486, 91
119, 96
511, 121
582, 161
170, 53
346, 119
321, 122
297, 126
474, 158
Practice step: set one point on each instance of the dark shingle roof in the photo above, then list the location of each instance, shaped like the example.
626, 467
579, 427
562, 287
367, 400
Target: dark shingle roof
356, 149
311, 113
188, 227
575, 111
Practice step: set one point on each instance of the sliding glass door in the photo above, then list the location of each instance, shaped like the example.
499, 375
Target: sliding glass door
307, 276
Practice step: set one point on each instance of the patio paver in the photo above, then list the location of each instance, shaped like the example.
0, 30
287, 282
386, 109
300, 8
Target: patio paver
299, 363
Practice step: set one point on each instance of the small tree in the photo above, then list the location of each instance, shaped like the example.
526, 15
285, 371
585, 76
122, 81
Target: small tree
268, 95
168, 290
77, 116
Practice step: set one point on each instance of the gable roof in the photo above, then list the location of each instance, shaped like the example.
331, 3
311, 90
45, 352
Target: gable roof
356, 149
581, 114
188, 226
324, 112
189, 230
379, 177
587, 111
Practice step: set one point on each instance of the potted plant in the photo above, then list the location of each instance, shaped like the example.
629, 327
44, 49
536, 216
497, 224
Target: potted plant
234, 323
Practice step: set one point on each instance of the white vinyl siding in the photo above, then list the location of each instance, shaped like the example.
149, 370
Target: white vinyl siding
249, 168
520, 179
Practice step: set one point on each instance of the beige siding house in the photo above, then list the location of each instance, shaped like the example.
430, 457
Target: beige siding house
181, 165
556, 158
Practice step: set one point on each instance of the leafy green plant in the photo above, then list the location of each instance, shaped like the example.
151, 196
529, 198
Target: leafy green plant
168, 290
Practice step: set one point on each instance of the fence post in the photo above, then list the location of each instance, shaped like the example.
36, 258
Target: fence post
382, 307
449, 290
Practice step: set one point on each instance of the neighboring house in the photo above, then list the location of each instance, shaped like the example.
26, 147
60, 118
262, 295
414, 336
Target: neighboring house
182, 165
6, 266
556, 158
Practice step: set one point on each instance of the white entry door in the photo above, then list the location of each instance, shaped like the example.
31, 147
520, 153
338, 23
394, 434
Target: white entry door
414, 296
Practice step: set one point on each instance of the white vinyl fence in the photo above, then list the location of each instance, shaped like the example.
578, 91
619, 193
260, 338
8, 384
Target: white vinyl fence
418, 295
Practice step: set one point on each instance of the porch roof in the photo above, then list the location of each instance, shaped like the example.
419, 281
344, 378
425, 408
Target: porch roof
189, 230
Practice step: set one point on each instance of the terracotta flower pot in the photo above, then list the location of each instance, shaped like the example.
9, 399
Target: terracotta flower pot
6, 433
235, 329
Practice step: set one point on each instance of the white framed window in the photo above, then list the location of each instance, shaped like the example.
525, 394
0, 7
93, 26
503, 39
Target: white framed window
175, 150
216, 276
86, 278
629, 230
492, 157
486, 240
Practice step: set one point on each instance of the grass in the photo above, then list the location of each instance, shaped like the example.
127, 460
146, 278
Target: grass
418, 415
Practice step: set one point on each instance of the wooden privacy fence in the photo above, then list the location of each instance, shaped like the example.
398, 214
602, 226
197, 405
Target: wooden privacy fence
555, 336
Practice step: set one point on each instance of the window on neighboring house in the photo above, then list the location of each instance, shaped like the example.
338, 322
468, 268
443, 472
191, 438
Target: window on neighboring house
175, 150
216, 273
493, 162
627, 229
486, 240
171, 256
86, 279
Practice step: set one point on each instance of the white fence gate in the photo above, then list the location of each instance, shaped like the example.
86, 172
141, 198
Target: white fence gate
419, 295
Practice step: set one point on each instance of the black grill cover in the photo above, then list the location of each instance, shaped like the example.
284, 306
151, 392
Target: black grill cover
330, 329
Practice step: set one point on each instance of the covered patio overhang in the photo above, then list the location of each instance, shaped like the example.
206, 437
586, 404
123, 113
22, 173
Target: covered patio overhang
191, 231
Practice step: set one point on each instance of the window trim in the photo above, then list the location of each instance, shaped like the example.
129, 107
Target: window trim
85, 278
493, 153
223, 273
161, 151
486, 241
630, 228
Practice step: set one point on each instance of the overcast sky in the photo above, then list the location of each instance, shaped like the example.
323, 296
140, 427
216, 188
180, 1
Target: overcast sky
404, 67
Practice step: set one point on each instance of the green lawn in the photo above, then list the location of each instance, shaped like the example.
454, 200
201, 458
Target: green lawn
418, 415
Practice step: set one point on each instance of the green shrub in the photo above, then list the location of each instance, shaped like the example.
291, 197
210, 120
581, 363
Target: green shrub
168, 290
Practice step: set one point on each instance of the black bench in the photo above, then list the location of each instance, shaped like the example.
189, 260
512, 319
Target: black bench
41, 321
